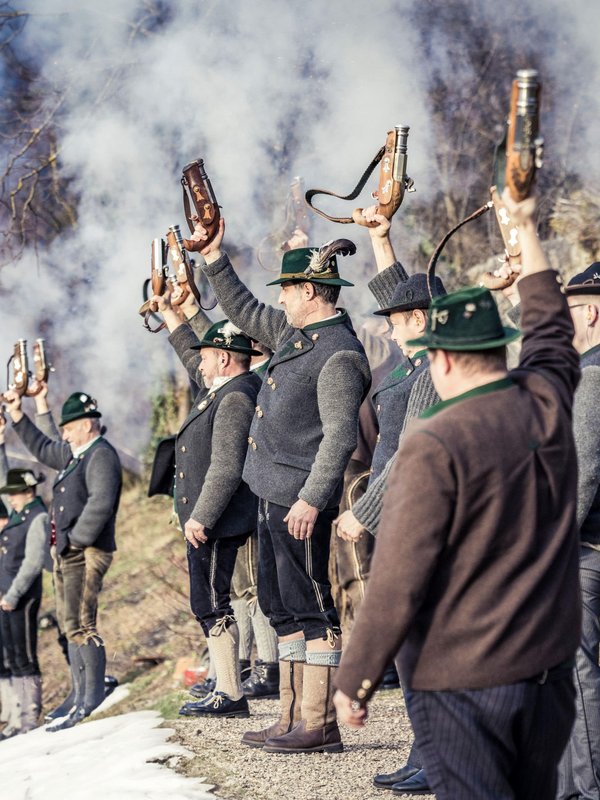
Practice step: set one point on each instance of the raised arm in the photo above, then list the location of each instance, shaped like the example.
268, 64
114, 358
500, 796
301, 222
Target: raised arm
545, 319
54, 454
390, 271
367, 510
261, 322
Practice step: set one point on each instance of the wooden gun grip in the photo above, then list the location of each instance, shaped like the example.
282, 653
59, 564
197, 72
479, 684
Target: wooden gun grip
205, 203
494, 283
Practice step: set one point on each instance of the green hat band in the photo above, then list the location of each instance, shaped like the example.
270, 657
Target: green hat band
302, 264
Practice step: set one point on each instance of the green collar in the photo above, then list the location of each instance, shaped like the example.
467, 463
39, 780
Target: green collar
593, 349
494, 386
15, 516
419, 354
325, 322
403, 371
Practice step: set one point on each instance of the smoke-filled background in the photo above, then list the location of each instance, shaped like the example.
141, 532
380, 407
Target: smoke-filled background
103, 103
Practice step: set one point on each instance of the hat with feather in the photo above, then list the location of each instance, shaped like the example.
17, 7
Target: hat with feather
315, 264
224, 335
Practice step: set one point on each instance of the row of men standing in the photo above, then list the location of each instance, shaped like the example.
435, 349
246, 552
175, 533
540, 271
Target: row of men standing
302, 432
78, 531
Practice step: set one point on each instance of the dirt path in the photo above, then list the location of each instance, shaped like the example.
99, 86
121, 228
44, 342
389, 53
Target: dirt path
242, 773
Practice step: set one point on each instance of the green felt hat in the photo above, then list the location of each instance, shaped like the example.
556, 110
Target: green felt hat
224, 335
78, 406
304, 264
20, 480
465, 320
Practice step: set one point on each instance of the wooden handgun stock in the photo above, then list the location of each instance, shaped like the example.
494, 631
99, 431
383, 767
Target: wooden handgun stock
205, 204
523, 143
20, 370
392, 177
517, 158
512, 246
393, 181
41, 368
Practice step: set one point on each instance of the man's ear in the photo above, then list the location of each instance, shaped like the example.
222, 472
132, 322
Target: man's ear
420, 318
593, 315
308, 290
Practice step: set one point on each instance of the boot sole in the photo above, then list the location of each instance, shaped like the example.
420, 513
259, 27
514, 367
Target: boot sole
253, 744
262, 696
231, 715
338, 747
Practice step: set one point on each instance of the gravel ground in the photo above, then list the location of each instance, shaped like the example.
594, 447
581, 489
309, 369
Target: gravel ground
243, 773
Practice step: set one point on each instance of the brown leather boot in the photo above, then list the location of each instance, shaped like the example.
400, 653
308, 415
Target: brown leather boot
290, 694
317, 731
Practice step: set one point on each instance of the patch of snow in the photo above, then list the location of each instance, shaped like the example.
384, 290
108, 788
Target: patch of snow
119, 693
106, 759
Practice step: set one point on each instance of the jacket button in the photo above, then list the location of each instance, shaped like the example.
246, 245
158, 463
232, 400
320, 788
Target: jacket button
202, 405
408, 371
361, 693
61, 508
254, 445
183, 448
62, 488
184, 500
314, 337
378, 407
182, 474
250, 440
298, 345
269, 381
378, 438
273, 386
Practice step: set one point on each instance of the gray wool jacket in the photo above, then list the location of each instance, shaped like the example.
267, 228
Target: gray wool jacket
36, 546
306, 422
210, 447
586, 428
368, 508
86, 491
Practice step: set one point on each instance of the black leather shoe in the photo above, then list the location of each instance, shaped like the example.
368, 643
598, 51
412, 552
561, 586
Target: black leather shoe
264, 680
390, 679
387, 780
245, 669
416, 784
217, 704
206, 687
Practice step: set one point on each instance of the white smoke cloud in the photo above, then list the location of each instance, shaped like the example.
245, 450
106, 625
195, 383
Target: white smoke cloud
230, 82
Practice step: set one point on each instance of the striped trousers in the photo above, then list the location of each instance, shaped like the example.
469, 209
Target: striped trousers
502, 743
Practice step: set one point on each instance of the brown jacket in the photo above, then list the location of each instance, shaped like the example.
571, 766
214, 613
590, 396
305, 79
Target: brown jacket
475, 571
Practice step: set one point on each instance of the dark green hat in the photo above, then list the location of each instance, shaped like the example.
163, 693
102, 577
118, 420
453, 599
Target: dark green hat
78, 406
465, 320
315, 264
224, 335
19, 480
